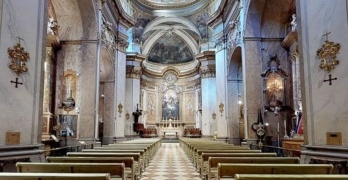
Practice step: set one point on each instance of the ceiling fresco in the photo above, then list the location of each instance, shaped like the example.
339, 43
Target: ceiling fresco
170, 49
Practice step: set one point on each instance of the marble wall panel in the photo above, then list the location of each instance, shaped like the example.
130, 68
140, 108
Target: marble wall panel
221, 88
21, 108
324, 105
209, 105
87, 85
120, 75
109, 110
189, 111
252, 68
233, 109
151, 107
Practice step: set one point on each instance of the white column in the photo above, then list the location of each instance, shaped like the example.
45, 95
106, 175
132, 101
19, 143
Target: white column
221, 87
208, 87
133, 72
120, 78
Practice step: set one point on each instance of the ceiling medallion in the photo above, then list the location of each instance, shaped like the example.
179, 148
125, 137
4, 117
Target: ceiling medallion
170, 77
328, 54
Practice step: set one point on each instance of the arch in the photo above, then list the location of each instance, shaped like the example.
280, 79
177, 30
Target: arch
235, 64
147, 46
178, 20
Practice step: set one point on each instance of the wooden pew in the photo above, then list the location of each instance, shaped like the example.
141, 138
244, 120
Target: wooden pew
116, 170
140, 151
289, 177
228, 171
144, 152
130, 168
135, 156
198, 158
50, 176
214, 161
203, 166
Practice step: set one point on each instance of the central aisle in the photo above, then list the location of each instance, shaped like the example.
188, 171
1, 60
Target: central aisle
170, 163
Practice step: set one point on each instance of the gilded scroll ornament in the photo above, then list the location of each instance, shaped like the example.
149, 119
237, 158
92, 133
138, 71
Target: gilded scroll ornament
328, 54
18, 58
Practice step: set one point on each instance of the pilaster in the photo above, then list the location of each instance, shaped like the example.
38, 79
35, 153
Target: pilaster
208, 85
133, 73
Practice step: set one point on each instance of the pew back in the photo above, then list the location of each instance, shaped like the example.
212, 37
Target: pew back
226, 170
114, 169
288, 177
50, 176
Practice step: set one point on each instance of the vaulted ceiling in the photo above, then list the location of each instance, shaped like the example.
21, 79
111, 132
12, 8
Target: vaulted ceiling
170, 7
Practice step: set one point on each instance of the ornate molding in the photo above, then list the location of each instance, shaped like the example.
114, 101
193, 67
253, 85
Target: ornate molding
294, 54
133, 72
208, 72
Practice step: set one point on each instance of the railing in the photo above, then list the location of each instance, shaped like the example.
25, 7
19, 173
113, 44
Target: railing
278, 150
128, 7
213, 6
62, 151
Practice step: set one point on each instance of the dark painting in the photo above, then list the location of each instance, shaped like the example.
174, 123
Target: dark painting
170, 50
170, 106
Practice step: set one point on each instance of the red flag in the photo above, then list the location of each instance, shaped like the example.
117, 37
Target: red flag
300, 126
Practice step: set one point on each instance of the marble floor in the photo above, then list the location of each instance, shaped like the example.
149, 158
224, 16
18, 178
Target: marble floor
170, 163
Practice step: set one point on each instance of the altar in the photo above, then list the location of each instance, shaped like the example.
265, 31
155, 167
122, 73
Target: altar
170, 128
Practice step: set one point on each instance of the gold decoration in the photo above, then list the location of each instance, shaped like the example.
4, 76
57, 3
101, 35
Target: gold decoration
120, 107
221, 108
18, 58
127, 116
327, 53
213, 116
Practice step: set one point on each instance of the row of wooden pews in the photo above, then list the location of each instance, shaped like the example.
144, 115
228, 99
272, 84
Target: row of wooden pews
126, 160
214, 160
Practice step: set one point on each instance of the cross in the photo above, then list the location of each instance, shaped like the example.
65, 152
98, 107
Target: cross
16, 82
330, 79
327, 35
19, 40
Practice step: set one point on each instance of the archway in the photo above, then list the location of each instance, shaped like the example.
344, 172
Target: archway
235, 96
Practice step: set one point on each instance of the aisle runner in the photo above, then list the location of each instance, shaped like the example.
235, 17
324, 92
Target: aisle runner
170, 163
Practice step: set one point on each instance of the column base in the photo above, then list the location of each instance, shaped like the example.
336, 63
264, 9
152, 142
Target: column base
119, 139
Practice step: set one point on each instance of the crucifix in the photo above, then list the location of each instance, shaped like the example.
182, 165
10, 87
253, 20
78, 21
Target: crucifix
330, 80
327, 35
16, 82
19, 40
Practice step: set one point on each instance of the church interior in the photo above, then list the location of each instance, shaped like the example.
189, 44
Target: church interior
173, 89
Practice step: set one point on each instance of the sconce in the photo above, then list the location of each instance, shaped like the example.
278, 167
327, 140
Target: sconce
221, 108
127, 116
120, 107
213, 116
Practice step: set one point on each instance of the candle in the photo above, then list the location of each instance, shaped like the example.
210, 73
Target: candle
278, 128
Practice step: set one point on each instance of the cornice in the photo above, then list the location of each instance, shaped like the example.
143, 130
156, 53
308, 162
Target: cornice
290, 39
216, 18
127, 20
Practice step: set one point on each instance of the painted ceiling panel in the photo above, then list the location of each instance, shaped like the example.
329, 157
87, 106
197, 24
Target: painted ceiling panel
170, 50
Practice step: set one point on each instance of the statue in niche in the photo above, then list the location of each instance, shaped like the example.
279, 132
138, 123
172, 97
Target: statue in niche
274, 80
293, 23
51, 25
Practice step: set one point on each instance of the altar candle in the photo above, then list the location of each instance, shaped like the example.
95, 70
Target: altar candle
285, 124
278, 128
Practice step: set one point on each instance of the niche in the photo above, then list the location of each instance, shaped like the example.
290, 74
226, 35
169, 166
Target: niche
274, 83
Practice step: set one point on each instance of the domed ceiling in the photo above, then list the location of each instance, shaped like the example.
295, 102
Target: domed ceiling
168, 8
168, 3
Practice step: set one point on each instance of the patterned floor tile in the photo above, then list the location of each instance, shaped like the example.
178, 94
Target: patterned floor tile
170, 163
